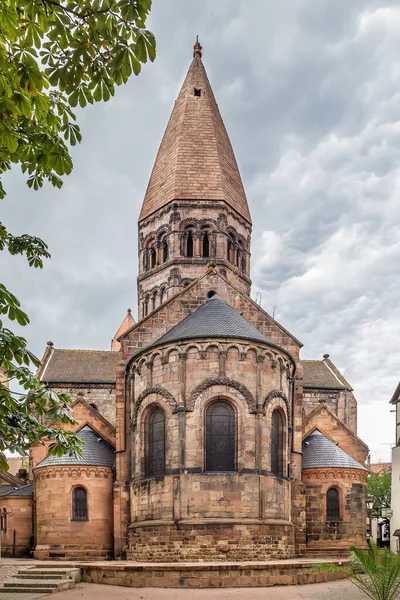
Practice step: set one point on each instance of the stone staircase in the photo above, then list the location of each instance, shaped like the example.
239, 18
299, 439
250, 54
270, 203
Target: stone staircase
40, 580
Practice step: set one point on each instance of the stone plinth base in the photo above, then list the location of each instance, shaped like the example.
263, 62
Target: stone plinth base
207, 575
210, 540
72, 552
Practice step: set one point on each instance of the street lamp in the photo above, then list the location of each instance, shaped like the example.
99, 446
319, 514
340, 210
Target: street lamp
370, 504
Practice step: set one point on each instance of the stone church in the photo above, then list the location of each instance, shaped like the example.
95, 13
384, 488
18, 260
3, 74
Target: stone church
206, 436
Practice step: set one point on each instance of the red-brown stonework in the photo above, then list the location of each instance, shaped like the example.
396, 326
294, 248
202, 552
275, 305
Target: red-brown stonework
17, 536
58, 536
325, 534
168, 499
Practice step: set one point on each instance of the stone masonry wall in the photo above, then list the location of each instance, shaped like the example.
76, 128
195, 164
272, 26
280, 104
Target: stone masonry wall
16, 540
350, 528
57, 535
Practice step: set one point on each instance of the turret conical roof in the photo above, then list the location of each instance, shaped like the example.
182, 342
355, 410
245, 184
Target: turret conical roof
195, 160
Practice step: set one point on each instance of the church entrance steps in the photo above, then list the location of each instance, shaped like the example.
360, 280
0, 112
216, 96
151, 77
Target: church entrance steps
41, 581
207, 574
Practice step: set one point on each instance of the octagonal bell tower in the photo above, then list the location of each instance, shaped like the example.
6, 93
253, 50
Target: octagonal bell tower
195, 209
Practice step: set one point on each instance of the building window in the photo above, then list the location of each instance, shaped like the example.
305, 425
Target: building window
3, 521
206, 245
231, 248
153, 258
332, 504
197, 92
155, 442
189, 245
220, 437
79, 504
277, 449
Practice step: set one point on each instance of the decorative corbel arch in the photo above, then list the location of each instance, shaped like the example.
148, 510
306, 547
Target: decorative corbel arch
277, 394
153, 390
207, 383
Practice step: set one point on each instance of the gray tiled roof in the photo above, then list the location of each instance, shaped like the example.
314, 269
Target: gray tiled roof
320, 452
317, 374
96, 452
215, 318
80, 366
16, 492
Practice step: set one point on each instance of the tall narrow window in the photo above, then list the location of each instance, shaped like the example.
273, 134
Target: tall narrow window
189, 245
220, 437
153, 257
206, 245
155, 443
79, 504
277, 438
332, 504
164, 250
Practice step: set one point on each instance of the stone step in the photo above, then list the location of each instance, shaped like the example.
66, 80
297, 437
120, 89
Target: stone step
34, 585
41, 576
65, 573
11, 593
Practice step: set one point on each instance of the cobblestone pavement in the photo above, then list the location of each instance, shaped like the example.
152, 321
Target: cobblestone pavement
337, 590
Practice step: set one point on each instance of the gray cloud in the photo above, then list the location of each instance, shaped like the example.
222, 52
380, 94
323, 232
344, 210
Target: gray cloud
309, 93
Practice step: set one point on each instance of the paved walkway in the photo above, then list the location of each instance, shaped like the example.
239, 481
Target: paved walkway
336, 590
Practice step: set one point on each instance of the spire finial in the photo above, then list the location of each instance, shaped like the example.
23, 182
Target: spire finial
197, 48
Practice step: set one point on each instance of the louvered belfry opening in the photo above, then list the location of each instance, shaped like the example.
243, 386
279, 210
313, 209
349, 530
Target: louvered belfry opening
155, 443
220, 437
79, 504
332, 505
277, 444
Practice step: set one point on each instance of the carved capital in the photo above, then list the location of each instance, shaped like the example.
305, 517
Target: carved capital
202, 353
242, 355
260, 358
165, 359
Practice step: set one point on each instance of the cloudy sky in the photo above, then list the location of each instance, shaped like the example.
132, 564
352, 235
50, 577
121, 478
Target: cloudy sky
310, 94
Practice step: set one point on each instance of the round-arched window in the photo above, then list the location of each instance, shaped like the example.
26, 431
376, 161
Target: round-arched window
155, 442
220, 437
79, 504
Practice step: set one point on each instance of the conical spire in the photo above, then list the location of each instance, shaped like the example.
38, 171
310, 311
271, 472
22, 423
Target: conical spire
195, 160
126, 324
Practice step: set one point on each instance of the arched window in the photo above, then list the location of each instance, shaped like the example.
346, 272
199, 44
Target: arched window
162, 295
206, 245
153, 257
220, 437
231, 248
145, 306
243, 265
3, 520
155, 443
277, 439
164, 250
332, 504
79, 504
189, 245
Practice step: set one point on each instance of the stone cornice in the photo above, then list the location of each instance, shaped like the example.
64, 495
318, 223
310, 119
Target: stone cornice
63, 471
332, 474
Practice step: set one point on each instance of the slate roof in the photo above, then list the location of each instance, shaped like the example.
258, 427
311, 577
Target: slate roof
80, 366
215, 318
96, 452
195, 160
17, 492
320, 452
323, 374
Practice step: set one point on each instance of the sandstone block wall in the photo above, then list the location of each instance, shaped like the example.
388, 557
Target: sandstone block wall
16, 540
57, 536
350, 528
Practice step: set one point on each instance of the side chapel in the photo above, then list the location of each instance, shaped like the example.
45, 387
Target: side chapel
206, 436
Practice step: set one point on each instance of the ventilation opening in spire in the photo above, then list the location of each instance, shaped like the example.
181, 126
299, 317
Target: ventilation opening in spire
197, 92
